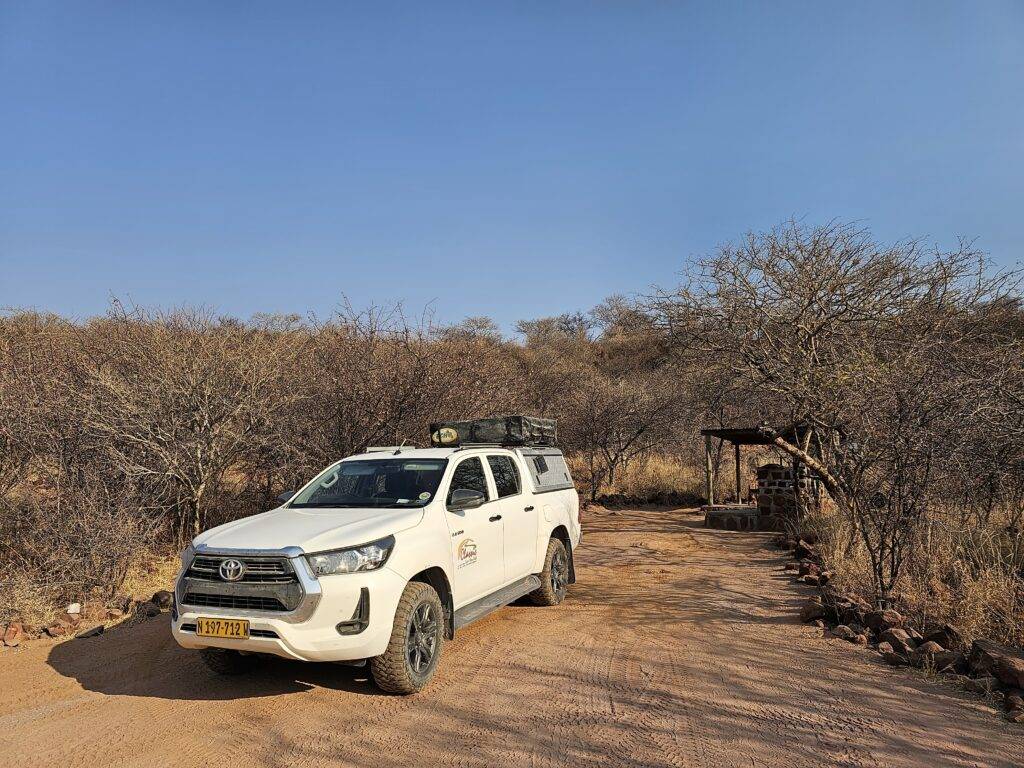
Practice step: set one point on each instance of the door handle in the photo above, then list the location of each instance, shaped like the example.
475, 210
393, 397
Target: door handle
528, 509
496, 517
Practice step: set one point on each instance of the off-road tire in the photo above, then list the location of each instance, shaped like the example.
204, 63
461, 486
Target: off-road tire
225, 662
392, 670
548, 593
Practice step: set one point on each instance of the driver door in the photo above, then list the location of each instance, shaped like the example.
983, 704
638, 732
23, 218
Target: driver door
478, 566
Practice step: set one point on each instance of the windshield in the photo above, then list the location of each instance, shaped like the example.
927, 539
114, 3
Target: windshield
374, 483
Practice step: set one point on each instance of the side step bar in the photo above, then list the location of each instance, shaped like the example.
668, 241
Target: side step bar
492, 602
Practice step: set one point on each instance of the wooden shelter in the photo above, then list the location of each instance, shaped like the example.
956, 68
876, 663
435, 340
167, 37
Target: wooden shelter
742, 515
738, 436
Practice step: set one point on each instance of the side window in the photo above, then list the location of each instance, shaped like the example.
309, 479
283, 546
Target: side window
541, 464
506, 476
469, 475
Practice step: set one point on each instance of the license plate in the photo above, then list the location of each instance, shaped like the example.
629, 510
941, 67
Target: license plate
230, 628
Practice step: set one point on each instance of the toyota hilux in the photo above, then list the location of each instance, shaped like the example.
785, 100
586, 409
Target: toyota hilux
384, 555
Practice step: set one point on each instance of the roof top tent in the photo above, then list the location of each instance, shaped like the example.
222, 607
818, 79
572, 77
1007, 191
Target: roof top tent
501, 430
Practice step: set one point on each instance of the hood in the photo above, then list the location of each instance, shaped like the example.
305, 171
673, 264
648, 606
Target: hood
314, 530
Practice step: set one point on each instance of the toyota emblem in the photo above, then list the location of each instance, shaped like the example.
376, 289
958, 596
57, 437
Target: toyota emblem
232, 570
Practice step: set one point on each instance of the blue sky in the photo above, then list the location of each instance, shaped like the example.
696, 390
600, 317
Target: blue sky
509, 159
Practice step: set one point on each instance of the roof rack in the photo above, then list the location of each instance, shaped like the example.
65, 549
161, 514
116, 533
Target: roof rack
504, 431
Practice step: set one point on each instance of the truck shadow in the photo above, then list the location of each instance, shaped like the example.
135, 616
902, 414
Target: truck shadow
142, 659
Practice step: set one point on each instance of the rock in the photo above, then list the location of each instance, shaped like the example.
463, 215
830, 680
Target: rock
819, 623
852, 615
807, 567
899, 640
949, 661
895, 659
14, 634
809, 579
883, 620
803, 550
148, 609
162, 599
74, 608
792, 566
984, 684
930, 648
824, 577
924, 654
948, 637
97, 630
916, 636
1015, 715
1013, 699
57, 630
843, 632
860, 639
884, 648
1004, 663
114, 613
812, 610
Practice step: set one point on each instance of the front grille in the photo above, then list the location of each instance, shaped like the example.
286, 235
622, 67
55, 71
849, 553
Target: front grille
258, 570
241, 602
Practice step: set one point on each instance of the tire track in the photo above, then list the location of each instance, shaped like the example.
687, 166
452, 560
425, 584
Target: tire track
676, 649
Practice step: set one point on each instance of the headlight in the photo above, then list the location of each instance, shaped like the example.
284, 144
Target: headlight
368, 557
186, 555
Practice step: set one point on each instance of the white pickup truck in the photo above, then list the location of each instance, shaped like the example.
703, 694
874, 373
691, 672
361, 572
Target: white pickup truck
382, 557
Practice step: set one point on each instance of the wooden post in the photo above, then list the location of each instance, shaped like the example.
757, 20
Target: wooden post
709, 472
739, 500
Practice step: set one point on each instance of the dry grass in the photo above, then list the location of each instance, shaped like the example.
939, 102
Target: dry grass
154, 572
27, 599
967, 577
658, 474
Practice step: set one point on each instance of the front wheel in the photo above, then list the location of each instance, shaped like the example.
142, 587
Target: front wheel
554, 579
413, 651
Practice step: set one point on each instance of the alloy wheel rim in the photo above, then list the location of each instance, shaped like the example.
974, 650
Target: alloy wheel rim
559, 572
421, 642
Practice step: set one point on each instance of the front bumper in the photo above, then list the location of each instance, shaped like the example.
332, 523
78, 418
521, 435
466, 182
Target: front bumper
310, 632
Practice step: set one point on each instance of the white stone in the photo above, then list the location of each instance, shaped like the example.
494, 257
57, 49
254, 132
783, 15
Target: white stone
74, 608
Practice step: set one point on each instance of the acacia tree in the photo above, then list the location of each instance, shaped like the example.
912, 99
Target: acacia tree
853, 340
177, 400
604, 377
375, 378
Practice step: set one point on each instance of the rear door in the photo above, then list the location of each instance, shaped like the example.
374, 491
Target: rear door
478, 564
519, 516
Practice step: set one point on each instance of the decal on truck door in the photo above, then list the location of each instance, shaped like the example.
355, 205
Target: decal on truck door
466, 552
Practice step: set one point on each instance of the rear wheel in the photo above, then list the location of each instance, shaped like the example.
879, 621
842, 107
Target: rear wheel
554, 579
225, 662
417, 637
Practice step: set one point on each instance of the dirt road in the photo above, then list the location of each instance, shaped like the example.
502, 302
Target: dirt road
678, 647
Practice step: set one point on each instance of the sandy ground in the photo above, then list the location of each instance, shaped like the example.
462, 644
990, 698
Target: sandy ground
678, 647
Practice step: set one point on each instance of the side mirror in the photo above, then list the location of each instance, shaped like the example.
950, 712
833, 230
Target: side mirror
283, 497
464, 498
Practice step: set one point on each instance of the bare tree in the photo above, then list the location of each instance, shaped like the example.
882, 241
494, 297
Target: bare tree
177, 400
853, 340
